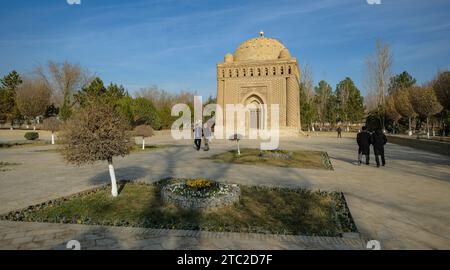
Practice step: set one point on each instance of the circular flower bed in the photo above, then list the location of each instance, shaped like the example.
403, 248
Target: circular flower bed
200, 194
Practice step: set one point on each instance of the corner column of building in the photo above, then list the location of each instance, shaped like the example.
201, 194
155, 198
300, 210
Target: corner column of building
221, 97
292, 102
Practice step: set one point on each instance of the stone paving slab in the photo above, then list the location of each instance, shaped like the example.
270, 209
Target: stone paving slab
32, 235
405, 205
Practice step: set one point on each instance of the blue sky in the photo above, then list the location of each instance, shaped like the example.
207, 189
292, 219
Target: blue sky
176, 44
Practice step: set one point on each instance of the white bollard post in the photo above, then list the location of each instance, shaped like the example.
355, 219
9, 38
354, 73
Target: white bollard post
53, 138
113, 180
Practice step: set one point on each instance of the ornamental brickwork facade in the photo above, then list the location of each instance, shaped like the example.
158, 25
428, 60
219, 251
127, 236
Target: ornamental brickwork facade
261, 72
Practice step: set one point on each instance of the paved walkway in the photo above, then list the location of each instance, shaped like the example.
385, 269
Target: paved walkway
405, 205
23, 235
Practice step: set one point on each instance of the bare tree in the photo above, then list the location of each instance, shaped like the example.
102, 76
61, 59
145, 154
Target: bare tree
143, 131
441, 87
308, 83
64, 79
306, 101
52, 124
378, 72
161, 98
370, 102
425, 103
403, 105
96, 132
33, 97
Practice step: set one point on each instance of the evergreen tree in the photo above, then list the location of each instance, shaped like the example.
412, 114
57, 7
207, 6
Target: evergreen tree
144, 113
96, 89
8, 92
331, 112
11, 81
349, 105
51, 111
66, 110
400, 81
321, 100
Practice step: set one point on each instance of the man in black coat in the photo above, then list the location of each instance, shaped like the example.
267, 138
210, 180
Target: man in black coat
339, 132
379, 140
364, 140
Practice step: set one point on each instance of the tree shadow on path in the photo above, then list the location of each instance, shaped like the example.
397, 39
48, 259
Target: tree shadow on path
128, 173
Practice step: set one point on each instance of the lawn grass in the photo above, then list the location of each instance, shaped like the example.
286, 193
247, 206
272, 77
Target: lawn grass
135, 148
23, 143
299, 159
259, 210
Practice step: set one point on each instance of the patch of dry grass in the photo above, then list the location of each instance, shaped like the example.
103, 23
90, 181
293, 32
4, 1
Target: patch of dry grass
260, 210
298, 159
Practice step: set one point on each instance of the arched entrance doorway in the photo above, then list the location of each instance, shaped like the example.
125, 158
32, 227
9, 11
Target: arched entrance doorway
255, 118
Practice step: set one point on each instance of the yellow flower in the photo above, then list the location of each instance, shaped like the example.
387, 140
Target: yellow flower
199, 183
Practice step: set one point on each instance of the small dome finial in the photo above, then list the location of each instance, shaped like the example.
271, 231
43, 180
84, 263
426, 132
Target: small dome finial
261, 33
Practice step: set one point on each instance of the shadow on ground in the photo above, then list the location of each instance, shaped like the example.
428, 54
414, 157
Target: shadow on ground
99, 238
127, 173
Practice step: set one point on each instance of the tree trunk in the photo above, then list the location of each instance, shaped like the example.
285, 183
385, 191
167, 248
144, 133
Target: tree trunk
53, 138
239, 151
113, 178
34, 128
409, 124
428, 129
143, 143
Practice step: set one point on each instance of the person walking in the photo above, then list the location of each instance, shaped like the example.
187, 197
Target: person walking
207, 134
363, 139
197, 136
339, 132
379, 140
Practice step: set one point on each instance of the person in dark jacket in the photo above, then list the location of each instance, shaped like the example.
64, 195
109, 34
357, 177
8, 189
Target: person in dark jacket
364, 140
378, 141
339, 132
198, 133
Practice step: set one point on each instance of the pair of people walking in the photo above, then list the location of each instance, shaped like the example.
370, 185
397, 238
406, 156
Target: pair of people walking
365, 139
200, 132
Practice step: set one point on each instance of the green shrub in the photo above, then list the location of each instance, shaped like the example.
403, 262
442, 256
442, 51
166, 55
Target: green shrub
31, 135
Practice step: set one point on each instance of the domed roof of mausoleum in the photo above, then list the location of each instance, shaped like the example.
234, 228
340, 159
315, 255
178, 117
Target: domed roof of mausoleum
260, 48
